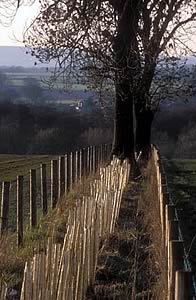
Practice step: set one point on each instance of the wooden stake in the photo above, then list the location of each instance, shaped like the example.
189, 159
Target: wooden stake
54, 183
184, 285
93, 159
173, 230
72, 170
88, 162
33, 204
76, 163
61, 176
170, 212
68, 172
80, 165
176, 263
19, 200
84, 162
43, 189
4, 207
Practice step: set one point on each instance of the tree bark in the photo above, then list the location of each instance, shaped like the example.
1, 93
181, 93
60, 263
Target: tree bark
144, 112
123, 144
144, 120
124, 56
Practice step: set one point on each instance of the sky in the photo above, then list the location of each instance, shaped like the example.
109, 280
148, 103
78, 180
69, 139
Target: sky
13, 35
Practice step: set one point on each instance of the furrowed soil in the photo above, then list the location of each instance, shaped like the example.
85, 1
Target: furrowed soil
126, 268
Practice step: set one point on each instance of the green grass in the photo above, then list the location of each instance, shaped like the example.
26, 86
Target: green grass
17, 79
13, 165
181, 176
12, 259
182, 179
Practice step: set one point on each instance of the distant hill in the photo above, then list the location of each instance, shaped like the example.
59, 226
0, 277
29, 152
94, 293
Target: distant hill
16, 56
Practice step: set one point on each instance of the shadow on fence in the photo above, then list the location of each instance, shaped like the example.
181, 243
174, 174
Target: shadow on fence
181, 280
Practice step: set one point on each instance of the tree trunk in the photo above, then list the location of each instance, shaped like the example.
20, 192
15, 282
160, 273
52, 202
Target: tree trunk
123, 143
144, 120
124, 56
144, 112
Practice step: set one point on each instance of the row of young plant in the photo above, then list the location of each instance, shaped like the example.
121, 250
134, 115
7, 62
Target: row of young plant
65, 271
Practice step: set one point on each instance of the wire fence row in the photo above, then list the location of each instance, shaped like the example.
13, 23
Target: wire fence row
32, 195
180, 278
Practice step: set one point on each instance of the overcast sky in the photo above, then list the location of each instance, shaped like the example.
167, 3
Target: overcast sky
13, 35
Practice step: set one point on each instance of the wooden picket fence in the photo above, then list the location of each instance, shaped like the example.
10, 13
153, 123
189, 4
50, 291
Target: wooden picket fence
3, 291
181, 284
37, 192
64, 272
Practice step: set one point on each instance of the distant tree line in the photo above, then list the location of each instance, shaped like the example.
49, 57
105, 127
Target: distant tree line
40, 129
174, 131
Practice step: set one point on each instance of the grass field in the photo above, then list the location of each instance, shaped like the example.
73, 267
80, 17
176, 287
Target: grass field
181, 176
13, 165
17, 79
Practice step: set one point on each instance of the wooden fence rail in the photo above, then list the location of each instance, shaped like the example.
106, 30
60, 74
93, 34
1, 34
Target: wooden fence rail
43, 184
64, 272
181, 280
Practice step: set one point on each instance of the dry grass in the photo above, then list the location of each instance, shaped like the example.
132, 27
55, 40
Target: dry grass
131, 262
149, 204
12, 259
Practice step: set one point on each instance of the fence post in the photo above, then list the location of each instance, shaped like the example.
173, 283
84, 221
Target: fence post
176, 263
93, 158
76, 166
88, 162
68, 179
66, 173
33, 204
4, 207
84, 162
170, 212
72, 170
102, 154
80, 165
61, 176
173, 230
44, 202
54, 183
164, 200
107, 152
183, 285
98, 156
19, 199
